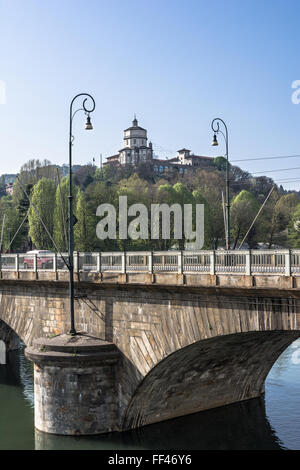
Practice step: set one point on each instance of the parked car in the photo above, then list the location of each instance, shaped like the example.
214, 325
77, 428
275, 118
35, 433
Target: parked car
44, 259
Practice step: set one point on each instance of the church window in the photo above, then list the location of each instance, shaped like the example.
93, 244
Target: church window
156, 168
161, 169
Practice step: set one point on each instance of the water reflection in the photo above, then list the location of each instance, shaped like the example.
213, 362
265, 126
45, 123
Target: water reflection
239, 426
283, 397
16, 414
272, 422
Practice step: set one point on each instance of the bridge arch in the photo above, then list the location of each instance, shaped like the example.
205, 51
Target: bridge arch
9, 340
207, 374
2, 352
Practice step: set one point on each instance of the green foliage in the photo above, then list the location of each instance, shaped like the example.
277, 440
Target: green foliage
42, 208
278, 222
10, 220
277, 217
244, 208
137, 191
100, 193
294, 229
84, 176
220, 163
30, 173
208, 221
60, 225
84, 229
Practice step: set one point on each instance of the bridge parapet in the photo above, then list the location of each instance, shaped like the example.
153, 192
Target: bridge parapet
247, 262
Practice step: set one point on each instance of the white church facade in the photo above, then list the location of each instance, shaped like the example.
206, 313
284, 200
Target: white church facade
136, 150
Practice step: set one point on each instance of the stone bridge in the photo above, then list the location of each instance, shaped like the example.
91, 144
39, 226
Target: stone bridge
186, 342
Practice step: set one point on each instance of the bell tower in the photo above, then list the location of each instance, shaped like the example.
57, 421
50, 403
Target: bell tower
136, 147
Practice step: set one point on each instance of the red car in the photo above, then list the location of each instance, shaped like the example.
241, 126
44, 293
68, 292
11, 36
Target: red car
44, 259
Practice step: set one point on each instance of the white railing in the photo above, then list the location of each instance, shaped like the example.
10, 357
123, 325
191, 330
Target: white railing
285, 262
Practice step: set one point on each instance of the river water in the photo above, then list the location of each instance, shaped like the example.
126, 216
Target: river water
272, 422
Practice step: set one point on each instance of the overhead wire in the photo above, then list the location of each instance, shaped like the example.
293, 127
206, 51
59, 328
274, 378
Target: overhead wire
15, 235
275, 170
251, 159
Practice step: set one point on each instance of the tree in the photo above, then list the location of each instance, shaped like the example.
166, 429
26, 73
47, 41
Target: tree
244, 207
12, 221
96, 194
276, 217
294, 229
60, 229
166, 194
23, 203
208, 232
211, 184
180, 195
85, 228
42, 208
30, 173
261, 186
137, 191
84, 176
239, 179
285, 209
184, 196
220, 163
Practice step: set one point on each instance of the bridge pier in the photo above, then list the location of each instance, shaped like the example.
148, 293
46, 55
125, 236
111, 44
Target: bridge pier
75, 386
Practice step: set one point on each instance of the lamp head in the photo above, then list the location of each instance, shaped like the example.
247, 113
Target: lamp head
88, 126
215, 142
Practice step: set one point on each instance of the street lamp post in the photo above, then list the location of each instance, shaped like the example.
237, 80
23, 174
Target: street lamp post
88, 126
216, 128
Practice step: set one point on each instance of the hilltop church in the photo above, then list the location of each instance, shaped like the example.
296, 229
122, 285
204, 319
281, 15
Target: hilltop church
136, 150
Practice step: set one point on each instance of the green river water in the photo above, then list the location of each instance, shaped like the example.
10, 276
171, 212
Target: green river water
272, 422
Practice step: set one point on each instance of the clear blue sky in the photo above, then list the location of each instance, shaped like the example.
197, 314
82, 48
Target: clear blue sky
176, 64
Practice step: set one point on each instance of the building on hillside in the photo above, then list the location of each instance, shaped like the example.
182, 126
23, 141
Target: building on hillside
136, 150
185, 157
9, 189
